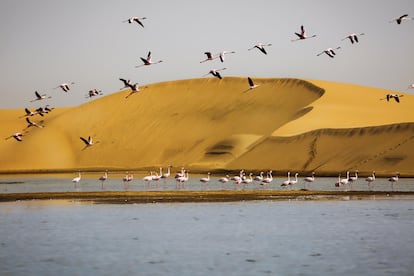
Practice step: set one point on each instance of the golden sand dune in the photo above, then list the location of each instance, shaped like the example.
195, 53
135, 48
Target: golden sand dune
210, 124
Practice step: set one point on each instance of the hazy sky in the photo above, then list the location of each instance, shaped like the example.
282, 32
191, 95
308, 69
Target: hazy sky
47, 42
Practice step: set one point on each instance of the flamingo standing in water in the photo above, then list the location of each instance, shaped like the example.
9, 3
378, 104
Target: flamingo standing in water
353, 37
224, 179
370, 180
261, 47
222, 55
293, 182
215, 73
77, 179
205, 179
148, 61
393, 180
103, 178
168, 173
345, 181
330, 52
183, 178
259, 177
210, 57
302, 35
18, 136
287, 181
135, 19
268, 178
40, 97
249, 179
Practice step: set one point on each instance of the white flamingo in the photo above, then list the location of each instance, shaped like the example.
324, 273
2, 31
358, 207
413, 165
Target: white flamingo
103, 178
411, 86
353, 179
148, 177
353, 37
390, 96
222, 55
64, 86
168, 173
183, 178
268, 178
338, 183
393, 180
302, 35
135, 19
252, 85
309, 179
261, 47
330, 52
210, 57
401, 18
148, 61
370, 180
345, 181
205, 179
287, 181
224, 179
293, 182
157, 176
40, 97
215, 73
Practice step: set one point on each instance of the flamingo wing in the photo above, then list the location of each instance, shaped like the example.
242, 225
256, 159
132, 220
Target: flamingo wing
84, 140
251, 83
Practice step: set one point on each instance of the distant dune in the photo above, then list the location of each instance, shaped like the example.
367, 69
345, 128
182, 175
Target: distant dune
209, 124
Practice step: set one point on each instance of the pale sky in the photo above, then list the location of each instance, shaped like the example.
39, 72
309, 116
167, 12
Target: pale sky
48, 42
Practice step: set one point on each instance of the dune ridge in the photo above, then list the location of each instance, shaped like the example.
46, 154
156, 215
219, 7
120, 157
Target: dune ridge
209, 124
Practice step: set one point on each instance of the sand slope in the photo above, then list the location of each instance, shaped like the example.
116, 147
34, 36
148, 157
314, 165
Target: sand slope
207, 124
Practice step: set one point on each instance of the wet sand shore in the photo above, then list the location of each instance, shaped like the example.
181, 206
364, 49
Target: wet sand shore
204, 196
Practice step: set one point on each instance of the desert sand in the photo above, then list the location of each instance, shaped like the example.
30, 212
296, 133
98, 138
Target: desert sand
213, 125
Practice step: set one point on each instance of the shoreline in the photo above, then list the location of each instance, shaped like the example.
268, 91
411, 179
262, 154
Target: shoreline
131, 197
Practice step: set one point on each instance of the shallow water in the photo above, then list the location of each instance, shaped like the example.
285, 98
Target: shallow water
90, 182
357, 237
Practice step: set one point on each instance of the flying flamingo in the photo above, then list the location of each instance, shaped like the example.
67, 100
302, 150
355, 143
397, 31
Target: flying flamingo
205, 179
268, 178
135, 19
148, 61
30, 124
64, 86
45, 109
309, 179
93, 92
293, 182
345, 181
411, 86
30, 113
401, 18
370, 180
210, 56
287, 181
393, 180
18, 136
222, 55
302, 35
103, 178
215, 73
353, 37
88, 142
260, 46
134, 89
40, 97
252, 84
330, 52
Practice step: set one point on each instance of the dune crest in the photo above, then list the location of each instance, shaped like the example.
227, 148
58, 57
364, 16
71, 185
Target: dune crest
210, 124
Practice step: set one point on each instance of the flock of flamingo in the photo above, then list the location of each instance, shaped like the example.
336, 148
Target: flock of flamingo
182, 177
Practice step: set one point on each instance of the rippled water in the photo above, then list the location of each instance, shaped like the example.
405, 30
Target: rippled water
357, 237
90, 182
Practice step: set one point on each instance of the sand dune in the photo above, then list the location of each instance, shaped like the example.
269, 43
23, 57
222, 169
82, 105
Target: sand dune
210, 124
